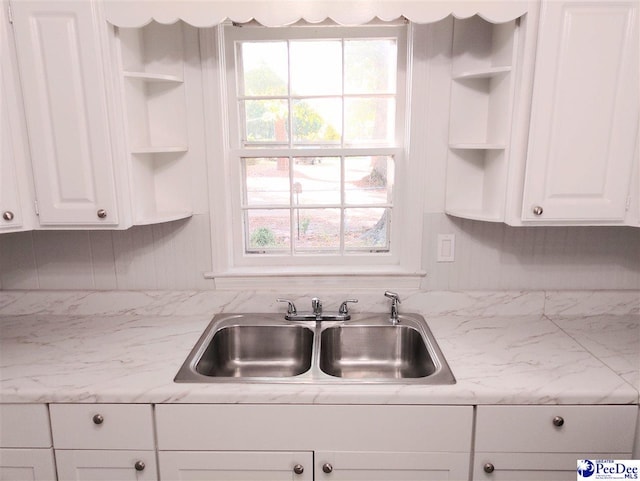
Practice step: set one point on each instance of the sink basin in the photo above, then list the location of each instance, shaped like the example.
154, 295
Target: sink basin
265, 348
257, 351
386, 352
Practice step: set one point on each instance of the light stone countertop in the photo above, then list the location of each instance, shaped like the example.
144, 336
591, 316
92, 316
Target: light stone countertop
503, 347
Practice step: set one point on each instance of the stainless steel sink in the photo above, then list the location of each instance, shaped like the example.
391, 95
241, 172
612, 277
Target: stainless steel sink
245, 348
371, 352
257, 351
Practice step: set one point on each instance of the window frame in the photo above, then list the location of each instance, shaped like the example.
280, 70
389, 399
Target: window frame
403, 261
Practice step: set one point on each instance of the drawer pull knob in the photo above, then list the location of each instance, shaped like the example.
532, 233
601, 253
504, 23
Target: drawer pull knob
558, 421
102, 214
489, 468
537, 210
139, 466
298, 469
98, 419
327, 468
8, 216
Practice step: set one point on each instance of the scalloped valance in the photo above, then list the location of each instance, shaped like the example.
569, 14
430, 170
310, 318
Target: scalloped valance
273, 13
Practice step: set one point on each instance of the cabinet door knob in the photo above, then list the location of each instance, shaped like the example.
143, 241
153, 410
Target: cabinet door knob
558, 421
327, 468
298, 469
98, 419
489, 468
102, 213
8, 215
139, 466
537, 210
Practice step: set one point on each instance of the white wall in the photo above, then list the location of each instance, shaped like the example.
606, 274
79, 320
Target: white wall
488, 255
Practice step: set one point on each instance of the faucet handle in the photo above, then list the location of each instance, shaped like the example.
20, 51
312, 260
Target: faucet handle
316, 305
291, 309
344, 309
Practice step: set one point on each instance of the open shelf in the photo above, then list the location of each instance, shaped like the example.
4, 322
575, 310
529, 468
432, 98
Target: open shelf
153, 77
480, 118
475, 181
154, 49
480, 110
153, 82
162, 185
482, 73
483, 47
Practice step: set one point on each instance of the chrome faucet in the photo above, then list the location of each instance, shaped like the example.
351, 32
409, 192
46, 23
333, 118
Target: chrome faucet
317, 314
395, 300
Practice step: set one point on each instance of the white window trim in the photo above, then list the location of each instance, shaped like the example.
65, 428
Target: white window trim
402, 269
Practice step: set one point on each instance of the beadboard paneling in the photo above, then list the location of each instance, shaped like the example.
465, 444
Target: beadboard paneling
496, 256
489, 256
165, 256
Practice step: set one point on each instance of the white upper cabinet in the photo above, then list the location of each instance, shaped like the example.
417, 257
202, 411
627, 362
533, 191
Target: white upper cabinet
15, 195
584, 118
63, 81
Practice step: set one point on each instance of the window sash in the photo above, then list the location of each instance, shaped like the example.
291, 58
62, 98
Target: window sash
291, 148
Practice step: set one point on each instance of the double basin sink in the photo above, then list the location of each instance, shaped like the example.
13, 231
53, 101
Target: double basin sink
267, 348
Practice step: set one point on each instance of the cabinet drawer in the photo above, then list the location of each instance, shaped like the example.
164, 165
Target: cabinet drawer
24, 426
531, 429
102, 426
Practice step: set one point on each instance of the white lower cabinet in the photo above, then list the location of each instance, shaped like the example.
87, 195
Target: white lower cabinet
27, 465
543, 443
104, 442
233, 442
25, 443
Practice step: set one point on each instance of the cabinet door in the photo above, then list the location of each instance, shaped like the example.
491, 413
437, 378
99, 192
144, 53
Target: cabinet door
106, 465
584, 117
236, 465
27, 465
352, 466
63, 80
13, 191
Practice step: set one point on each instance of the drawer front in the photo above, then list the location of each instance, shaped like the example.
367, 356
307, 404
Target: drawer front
24, 426
102, 426
531, 429
313, 428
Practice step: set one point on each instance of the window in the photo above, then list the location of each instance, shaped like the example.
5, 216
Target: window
316, 146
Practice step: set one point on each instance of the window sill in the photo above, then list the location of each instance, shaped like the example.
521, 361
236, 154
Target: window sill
356, 278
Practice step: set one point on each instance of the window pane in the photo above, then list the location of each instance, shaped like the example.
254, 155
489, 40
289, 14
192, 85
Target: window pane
266, 181
317, 121
267, 230
369, 119
370, 66
316, 180
264, 69
368, 180
317, 229
265, 120
366, 229
316, 67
